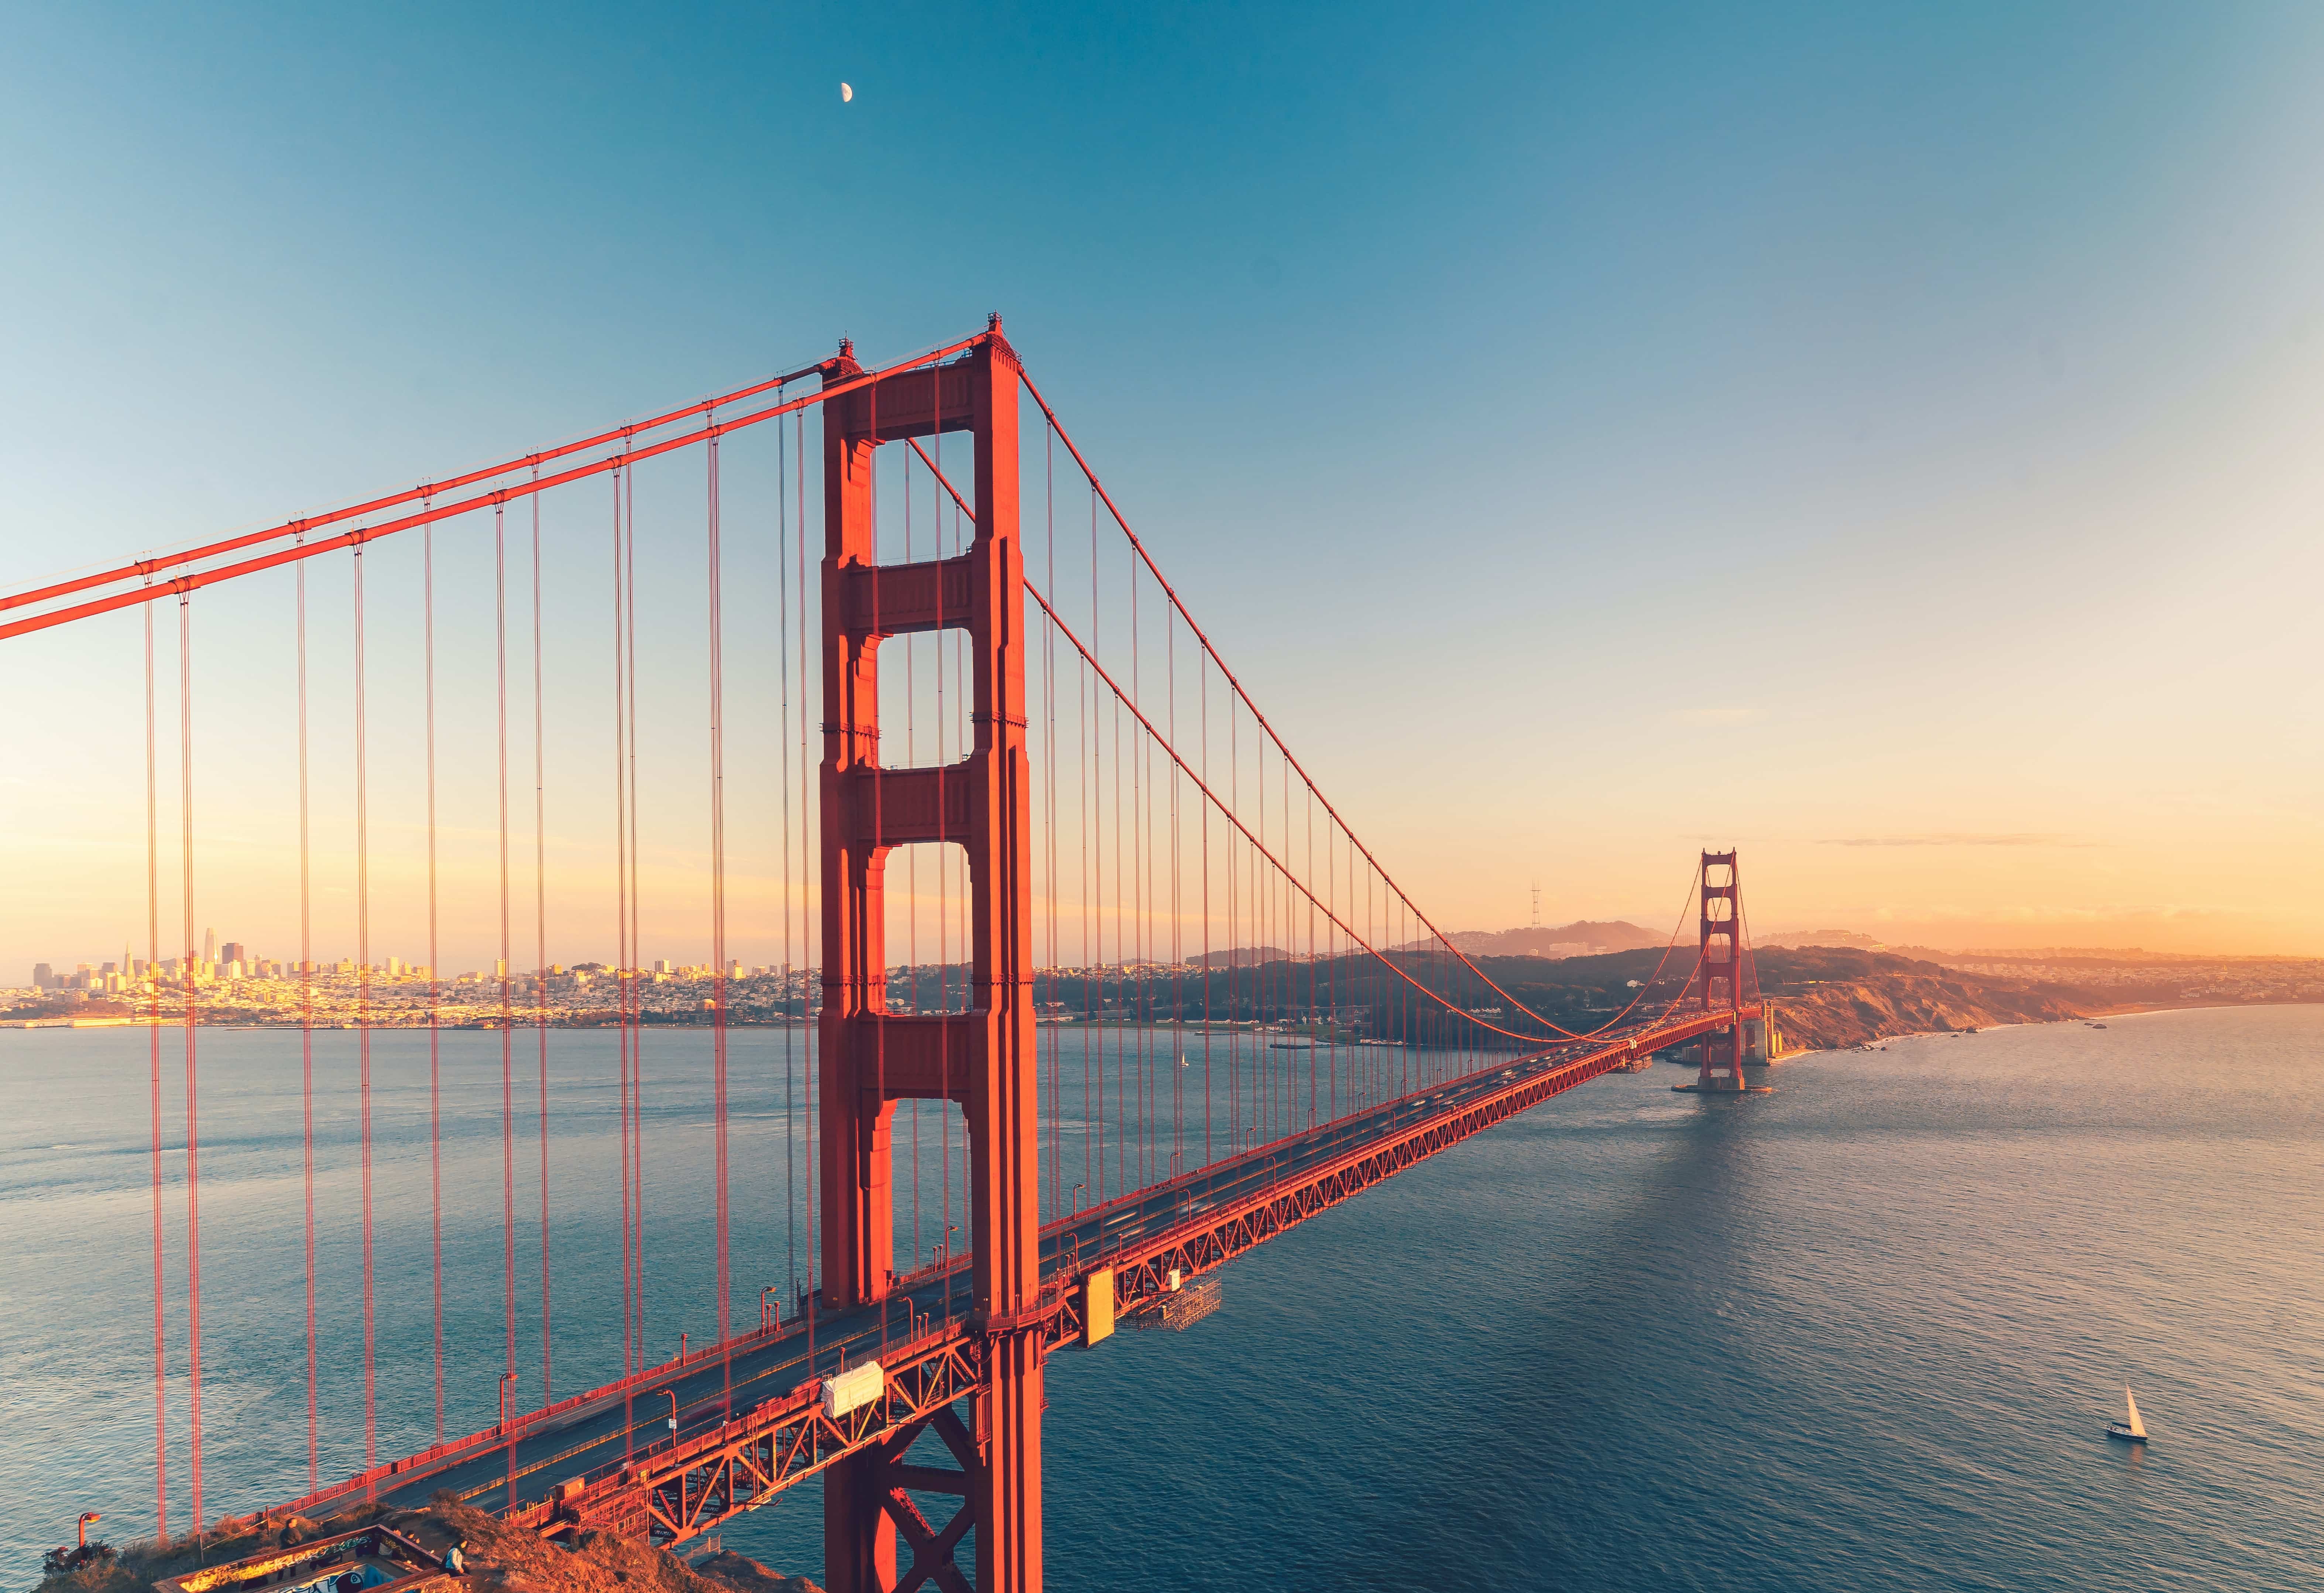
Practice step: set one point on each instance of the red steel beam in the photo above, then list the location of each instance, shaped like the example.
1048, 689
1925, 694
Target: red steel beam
138, 567
713, 1475
1218, 1237
195, 580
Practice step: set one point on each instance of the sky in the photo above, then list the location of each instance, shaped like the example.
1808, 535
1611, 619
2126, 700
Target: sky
1881, 439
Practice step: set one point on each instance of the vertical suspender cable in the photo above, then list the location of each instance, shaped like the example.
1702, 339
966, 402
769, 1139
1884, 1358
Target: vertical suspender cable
1203, 684
783, 752
306, 1045
540, 938
154, 1045
911, 725
807, 867
637, 1029
435, 972
1049, 822
718, 921
1088, 915
363, 1020
877, 977
1121, 946
912, 854
621, 963
507, 1024
807, 859
1177, 930
1134, 903
193, 1126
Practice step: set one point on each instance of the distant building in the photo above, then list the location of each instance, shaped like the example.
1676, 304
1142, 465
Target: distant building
234, 951
209, 945
43, 976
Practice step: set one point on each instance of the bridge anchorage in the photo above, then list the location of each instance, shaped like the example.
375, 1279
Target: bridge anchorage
1348, 1037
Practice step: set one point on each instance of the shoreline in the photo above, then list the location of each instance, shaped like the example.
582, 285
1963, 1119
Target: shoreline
2124, 1009
2129, 1009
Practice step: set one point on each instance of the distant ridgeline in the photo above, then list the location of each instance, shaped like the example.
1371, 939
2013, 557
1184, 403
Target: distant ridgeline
1582, 938
1826, 997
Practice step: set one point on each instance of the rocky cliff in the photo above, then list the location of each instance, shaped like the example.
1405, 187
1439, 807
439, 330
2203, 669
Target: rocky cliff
500, 1559
1827, 998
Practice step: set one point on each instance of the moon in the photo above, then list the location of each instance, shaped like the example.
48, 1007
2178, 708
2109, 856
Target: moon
846, 93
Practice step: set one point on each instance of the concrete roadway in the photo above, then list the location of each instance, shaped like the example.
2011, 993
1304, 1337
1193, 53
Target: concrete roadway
590, 1436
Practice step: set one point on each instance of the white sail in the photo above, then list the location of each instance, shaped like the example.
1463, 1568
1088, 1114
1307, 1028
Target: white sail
2137, 1428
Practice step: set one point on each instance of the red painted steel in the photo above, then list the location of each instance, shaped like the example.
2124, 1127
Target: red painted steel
178, 586
676, 1493
1721, 964
1217, 1237
983, 1059
146, 568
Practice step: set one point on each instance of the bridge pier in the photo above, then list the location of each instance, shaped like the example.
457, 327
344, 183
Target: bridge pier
982, 1060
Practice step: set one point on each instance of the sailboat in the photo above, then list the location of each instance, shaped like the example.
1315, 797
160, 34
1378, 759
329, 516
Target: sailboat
2132, 1430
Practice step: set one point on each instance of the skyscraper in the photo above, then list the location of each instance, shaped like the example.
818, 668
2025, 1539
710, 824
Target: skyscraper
209, 945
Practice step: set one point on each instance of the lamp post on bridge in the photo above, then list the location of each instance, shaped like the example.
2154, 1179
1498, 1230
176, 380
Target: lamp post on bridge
86, 1517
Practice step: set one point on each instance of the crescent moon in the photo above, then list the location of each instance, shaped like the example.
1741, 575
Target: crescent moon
845, 93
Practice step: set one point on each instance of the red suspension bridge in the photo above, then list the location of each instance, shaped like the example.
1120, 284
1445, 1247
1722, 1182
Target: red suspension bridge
1155, 1001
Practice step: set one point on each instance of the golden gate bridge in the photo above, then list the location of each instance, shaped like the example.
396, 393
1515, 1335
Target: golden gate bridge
1178, 1006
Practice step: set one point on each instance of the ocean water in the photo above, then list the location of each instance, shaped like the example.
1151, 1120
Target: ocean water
1865, 1332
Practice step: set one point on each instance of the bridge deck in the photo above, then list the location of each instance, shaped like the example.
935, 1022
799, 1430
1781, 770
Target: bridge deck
749, 1421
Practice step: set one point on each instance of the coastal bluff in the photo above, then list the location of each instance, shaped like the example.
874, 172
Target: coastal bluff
1831, 998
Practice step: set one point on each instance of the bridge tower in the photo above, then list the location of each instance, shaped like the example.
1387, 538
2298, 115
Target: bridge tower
981, 1059
1722, 972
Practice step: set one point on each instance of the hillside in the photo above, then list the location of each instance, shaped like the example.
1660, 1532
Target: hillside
501, 1559
1582, 938
1827, 997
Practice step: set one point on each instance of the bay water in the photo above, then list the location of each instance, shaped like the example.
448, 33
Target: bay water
1865, 1332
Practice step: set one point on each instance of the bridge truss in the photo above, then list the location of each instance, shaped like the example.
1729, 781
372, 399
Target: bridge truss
1218, 902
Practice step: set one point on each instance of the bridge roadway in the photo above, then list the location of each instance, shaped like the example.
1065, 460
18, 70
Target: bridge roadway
613, 1434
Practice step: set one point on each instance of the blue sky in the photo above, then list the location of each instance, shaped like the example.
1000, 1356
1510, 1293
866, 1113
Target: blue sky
1591, 429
